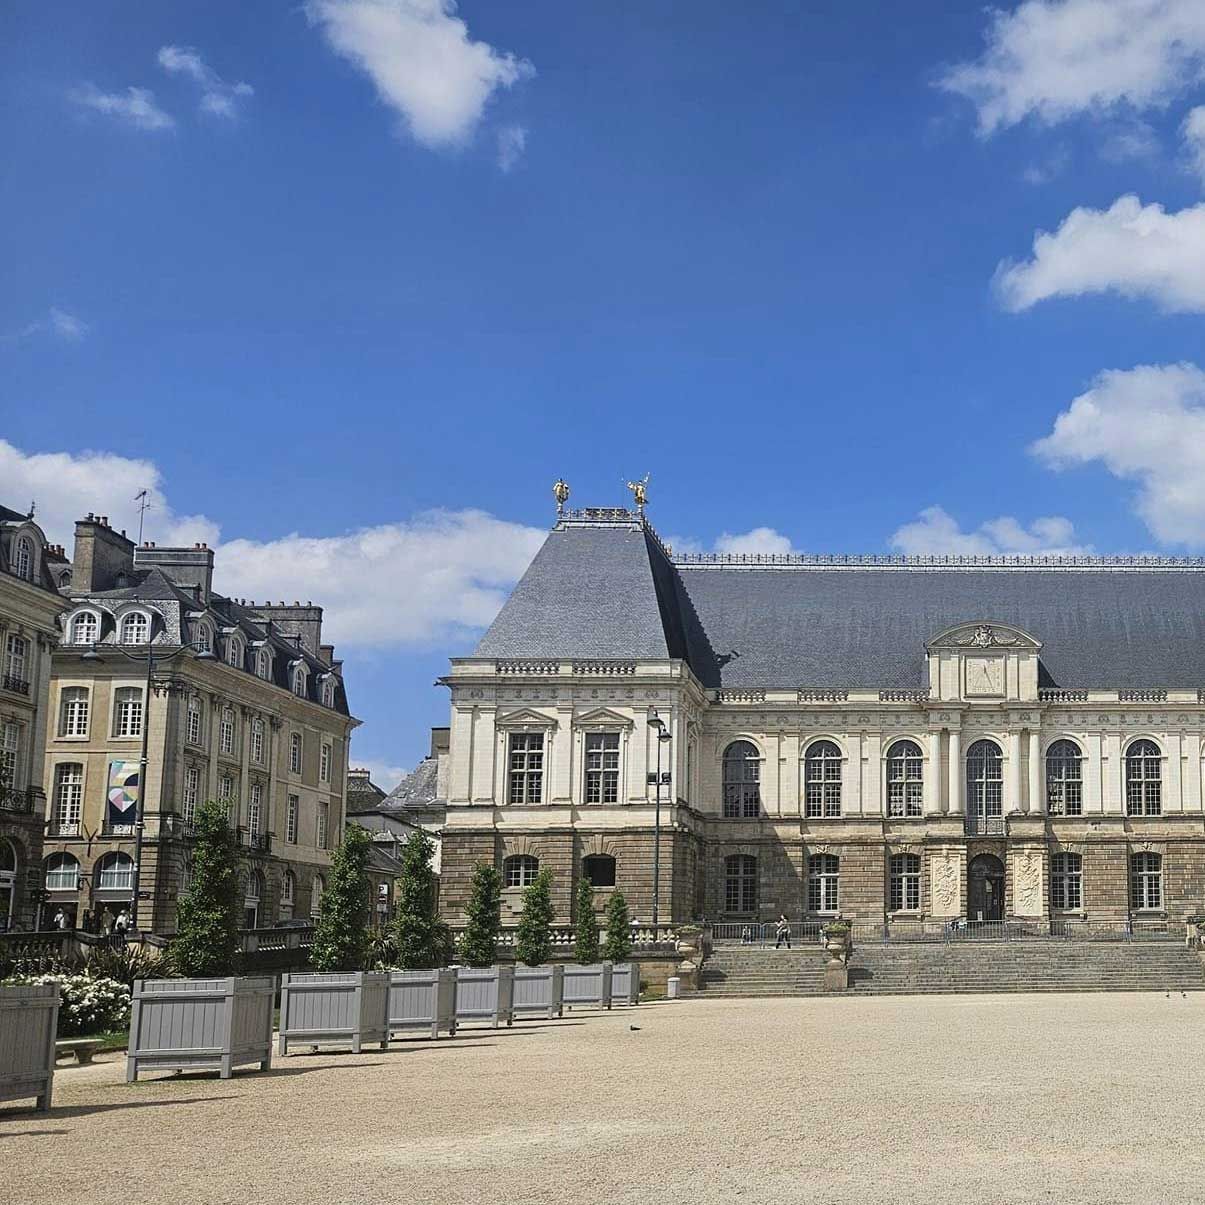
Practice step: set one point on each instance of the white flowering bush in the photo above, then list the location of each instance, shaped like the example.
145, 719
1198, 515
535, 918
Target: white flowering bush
88, 1003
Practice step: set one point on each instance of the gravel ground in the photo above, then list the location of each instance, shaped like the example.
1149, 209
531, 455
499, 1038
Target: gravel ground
1086, 1098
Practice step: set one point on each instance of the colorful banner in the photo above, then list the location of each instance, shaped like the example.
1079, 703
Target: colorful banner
123, 792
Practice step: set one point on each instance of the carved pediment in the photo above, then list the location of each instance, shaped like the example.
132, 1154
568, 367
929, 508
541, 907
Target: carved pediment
982, 634
602, 717
524, 717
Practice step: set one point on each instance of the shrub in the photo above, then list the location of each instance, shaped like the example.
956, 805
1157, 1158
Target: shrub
207, 942
420, 939
480, 937
618, 945
533, 940
88, 1003
126, 964
341, 939
585, 924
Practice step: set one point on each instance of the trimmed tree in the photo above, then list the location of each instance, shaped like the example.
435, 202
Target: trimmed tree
585, 927
341, 939
421, 940
477, 944
207, 944
533, 940
618, 944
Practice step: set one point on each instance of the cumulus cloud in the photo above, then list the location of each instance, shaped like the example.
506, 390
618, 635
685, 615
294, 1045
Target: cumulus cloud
1144, 424
1133, 249
935, 532
136, 106
384, 774
512, 142
217, 96
758, 541
424, 64
1193, 131
57, 323
1055, 59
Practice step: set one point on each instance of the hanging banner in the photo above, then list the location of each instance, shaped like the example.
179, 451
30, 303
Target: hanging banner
123, 794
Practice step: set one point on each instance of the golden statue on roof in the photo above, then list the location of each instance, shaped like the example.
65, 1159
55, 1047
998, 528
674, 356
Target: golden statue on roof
640, 492
560, 491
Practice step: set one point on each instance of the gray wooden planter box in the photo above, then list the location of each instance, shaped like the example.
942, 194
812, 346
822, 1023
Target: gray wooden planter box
539, 991
347, 1008
423, 1000
625, 983
200, 1025
485, 994
588, 985
29, 1023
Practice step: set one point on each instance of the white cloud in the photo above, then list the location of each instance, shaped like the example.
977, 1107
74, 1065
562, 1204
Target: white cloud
1133, 249
1054, 59
58, 323
217, 96
512, 142
425, 66
1126, 141
1144, 424
937, 533
136, 106
761, 540
384, 774
1193, 131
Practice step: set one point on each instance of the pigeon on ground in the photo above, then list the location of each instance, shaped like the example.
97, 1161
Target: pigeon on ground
634, 1028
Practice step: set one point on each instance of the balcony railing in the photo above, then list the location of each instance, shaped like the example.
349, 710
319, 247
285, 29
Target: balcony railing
14, 800
17, 685
985, 826
256, 842
108, 829
62, 828
174, 826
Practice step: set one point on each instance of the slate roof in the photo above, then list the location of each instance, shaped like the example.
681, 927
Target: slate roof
417, 789
612, 591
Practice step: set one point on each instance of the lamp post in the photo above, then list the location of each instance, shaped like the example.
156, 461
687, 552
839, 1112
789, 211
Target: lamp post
663, 737
152, 657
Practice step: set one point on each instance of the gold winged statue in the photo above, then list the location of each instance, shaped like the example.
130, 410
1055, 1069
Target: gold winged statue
640, 491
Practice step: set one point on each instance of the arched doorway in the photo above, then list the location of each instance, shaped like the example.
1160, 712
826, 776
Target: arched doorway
8, 886
985, 888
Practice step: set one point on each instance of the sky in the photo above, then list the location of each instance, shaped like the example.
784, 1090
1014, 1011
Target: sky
347, 284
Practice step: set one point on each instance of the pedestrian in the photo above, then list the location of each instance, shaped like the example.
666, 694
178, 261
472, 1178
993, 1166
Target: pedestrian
122, 923
60, 919
782, 931
106, 922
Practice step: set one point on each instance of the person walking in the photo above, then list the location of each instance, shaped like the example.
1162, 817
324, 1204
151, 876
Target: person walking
782, 931
60, 919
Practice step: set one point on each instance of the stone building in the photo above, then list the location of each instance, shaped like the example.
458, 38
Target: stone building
892, 738
29, 607
262, 725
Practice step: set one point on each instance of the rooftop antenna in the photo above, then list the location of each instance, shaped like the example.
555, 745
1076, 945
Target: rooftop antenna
144, 504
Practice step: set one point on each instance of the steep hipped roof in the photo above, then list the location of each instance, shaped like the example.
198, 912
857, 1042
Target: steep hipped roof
611, 590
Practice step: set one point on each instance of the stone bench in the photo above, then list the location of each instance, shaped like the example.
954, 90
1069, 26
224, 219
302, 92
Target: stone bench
82, 1048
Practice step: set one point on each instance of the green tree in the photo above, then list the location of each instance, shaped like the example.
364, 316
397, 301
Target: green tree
207, 944
477, 945
421, 939
341, 939
585, 925
618, 944
533, 940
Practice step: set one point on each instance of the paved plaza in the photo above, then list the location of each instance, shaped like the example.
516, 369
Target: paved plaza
1085, 1098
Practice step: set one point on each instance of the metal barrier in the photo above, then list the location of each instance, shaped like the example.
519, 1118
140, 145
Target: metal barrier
765, 933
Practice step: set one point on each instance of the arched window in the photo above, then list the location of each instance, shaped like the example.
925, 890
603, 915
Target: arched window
328, 693
740, 883
316, 889
288, 893
254, 893
68, 798
599, 870
742, 780
1144, 787
520, 870
127, 711
1066, 881
262, 664
135, 627
23, 558
905, 779
1064, 779
824, 882
115, 872
84, 628
202, 637
1146, 882
299, 681
73, 711
822, 780
985, 782
16, 663
62, 873
234, 652
903, 883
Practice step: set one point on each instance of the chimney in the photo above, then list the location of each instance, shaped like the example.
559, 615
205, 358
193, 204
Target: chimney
326, 654
100, 555
300, 620
190, 568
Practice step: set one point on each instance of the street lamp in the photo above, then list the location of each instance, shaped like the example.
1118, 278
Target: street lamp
152, 657
663, 737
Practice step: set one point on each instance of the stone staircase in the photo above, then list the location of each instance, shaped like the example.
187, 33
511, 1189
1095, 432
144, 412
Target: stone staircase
927, 968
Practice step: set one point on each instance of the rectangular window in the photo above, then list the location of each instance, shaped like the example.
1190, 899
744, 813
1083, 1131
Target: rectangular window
68, 797
192, 727
903, 888
823, 882
226, 793
1066, 882
322, 817
324, 766
291, 819
602, 767
740, 883
255, 805
257, 742
73, 717
526, 767
1146, 882
226, 732
192, 789
127, 716
295, 753
15, 664
10, 753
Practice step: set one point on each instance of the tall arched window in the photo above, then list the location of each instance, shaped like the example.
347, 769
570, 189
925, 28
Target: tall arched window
1066, 881
822, 779
905, 779
328, 693
115, 872
599, 870
903, 883
202, 637
1144, 785
742, 780
1146, 882
824, 882
84, 628
520, 870
740, 884
62, 873
234, 652
251, 899
1064, 779
262, 664
985, 783
135, 627
299, 682
316, 889
23, 558
288, 892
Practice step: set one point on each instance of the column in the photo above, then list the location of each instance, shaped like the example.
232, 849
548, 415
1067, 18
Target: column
955, 772
1035, 803
933, 777
1014, 772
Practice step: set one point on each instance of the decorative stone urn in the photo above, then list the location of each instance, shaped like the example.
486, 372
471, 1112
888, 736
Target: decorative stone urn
689, 946
837, 940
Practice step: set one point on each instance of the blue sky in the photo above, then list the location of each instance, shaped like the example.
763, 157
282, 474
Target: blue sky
349, 283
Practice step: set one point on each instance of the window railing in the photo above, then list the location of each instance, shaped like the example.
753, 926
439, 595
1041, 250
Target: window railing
17, 685
985, 826
109, 829
62, 828
14, 800
258, 842
1050, 694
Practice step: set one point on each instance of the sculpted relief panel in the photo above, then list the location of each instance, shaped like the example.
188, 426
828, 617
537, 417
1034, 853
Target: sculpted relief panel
945, 872
1027, 883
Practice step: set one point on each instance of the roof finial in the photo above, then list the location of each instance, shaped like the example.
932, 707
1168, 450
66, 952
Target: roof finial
560, 491
640, 492
33, 506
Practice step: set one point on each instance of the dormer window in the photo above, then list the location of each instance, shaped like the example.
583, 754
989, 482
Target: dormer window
234, 652
84, 628
263, 666
203, 638
135, 628
328, 693
23, 558
299, 681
